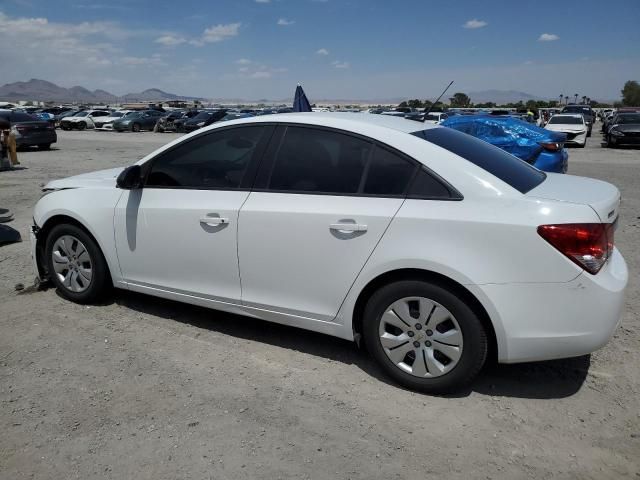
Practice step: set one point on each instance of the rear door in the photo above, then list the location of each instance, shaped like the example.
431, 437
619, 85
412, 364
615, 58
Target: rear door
321, 203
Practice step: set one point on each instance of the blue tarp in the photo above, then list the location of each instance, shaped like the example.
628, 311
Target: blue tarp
300, 102
519, 138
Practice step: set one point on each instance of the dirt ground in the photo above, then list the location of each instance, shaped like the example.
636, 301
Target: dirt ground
150, 389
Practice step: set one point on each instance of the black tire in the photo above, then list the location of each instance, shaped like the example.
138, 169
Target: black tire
44, 146
82, 125
135, 127
100, 284
66, 128
475, 345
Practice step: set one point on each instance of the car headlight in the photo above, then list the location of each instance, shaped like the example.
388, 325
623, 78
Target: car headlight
617, 133
200, 124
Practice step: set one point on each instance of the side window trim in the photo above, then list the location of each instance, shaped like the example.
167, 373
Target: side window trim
250, 170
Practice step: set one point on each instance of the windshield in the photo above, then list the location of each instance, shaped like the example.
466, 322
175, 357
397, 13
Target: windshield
566, 120
117, 114
81, 114
432, 116
203, 115
508, 168
577, 109
628, 118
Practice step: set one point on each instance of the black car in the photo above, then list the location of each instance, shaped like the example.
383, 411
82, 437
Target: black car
587, 113
624, 130
29, 130
178, 124
167, 122
203, 119
134, 122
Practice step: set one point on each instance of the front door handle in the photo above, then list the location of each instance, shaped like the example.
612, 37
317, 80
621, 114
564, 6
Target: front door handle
348, 227
214, 220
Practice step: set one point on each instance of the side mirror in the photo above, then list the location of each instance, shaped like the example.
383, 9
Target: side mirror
130, 178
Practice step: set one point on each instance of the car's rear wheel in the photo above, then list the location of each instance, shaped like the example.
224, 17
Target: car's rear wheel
44, 146
82, 125
424, 336
135, 127
76, 265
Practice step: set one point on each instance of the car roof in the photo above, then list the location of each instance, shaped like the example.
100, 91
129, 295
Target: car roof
567, 115
344, 120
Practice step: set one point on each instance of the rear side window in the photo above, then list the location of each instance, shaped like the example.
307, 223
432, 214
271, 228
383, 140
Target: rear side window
22, 117
389, 174
508, 168
312, 160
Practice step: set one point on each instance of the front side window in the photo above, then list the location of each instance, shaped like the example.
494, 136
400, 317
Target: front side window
313, 160
217, 160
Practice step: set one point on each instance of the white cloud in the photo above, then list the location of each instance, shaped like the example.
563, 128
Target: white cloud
284, 22
155, 61
261, 74
217, 33
323, 51
475, 23
243, 61
170, 40
339, 64
548, 37
263, 1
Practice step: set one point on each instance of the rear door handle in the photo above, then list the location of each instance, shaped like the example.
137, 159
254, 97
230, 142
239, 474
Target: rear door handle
214, 220
348, 227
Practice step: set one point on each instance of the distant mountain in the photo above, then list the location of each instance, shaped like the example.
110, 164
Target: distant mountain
41, 90
501, 96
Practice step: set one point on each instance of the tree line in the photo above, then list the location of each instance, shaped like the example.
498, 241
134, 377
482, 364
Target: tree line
630, 97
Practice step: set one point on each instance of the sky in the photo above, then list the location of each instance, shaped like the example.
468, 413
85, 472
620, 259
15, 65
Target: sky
337, 49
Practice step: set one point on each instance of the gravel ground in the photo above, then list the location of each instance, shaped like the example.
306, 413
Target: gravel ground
147, 389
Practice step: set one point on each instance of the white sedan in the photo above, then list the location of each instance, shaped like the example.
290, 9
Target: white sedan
430, 246
83, 119
573, 125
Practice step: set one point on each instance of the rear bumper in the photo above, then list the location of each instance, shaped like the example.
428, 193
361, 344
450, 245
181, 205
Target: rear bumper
556, 162
39, 138
545, 321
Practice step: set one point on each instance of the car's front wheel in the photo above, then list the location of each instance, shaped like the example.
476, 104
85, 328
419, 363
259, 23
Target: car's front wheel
135, 127
424, 336
44, 146
76, 265
82, 125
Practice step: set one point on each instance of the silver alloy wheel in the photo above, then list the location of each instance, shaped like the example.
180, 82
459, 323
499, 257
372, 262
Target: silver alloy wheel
421, 337
72, 263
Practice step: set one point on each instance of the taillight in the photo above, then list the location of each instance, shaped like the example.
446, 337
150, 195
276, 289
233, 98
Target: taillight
589, 245
551, 146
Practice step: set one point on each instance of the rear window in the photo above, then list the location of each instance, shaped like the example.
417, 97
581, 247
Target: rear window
508, 168
565, 120
22, 117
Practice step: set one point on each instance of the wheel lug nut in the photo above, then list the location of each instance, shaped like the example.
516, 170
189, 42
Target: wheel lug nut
411, 334
429, 333
418, 326
428, 344
416, 344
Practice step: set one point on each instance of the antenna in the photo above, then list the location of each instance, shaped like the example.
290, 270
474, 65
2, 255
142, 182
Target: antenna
437, 100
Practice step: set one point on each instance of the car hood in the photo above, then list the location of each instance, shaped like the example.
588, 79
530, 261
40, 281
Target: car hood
628, 127
601, 196
98, 179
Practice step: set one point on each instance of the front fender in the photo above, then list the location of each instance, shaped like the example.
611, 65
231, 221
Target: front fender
91, 208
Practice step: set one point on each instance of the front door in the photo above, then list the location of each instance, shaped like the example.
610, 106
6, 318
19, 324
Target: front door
178, 232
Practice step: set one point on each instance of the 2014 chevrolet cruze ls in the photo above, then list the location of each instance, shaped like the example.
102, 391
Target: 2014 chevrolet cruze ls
430, 246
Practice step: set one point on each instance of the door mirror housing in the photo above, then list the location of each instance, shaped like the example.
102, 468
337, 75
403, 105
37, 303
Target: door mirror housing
130, 178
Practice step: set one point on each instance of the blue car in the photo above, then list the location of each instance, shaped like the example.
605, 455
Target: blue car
541, 148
